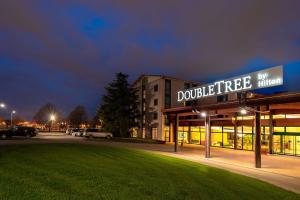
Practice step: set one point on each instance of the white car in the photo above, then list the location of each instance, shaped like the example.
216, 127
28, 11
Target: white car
78, 132
97, 133
69, 131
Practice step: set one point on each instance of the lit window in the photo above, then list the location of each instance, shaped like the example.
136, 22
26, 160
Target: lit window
293, 116
154, 133
278, 116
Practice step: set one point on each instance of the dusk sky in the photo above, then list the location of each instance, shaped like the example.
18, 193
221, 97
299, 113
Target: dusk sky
66, 51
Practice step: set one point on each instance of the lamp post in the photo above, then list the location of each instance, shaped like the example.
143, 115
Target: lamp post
206, 116
52, 119
11, 117
257, 143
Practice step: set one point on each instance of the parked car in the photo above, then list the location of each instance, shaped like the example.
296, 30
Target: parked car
5, 134
77, 132
24, 131
97, 133
69, 131
19, 131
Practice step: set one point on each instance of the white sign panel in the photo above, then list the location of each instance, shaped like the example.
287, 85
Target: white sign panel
262, 79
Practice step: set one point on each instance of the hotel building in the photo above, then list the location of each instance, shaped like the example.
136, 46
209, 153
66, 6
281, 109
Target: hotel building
156, 92
170, 120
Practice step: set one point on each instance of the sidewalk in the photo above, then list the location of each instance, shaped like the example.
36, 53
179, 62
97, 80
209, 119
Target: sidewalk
282, 171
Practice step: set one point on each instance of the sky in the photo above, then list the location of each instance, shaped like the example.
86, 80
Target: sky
66, 51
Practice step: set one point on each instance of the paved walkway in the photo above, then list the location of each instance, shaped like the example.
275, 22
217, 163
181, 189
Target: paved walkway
282, 171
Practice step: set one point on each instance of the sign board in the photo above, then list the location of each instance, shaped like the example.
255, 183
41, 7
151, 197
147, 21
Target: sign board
261, 79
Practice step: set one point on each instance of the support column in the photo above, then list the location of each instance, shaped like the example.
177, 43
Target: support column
271, 125
235, 133
207, 137
176, 134
172, 128
257, 139
189, 134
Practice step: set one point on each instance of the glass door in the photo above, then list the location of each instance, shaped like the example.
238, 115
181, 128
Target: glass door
289, 144
297, 145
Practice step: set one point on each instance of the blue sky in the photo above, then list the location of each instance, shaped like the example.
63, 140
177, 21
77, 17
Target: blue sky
65, 52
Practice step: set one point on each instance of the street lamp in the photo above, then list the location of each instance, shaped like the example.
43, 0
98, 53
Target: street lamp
203, 114
52, 119
2, 105
11, 117
243, 111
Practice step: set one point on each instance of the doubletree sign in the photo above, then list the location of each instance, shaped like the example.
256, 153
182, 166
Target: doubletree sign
261, 79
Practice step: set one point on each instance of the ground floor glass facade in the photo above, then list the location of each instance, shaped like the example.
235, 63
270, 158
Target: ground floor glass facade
286, 140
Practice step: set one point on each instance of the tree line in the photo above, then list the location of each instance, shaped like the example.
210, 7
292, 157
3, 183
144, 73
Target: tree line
117, 112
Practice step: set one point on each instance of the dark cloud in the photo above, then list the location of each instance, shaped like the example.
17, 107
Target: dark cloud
75, 47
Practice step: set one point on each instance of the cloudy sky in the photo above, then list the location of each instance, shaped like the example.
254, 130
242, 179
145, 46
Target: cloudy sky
65, 51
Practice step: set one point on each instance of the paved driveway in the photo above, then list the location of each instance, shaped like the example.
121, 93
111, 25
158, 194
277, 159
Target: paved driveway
282, 171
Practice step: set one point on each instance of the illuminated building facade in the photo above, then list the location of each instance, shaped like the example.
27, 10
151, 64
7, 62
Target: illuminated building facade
280, 123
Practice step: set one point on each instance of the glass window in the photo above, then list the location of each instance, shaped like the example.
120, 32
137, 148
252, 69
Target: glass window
155, 115
279, 129
240, 137
289, 144
293, 130
144, 133
228, 137
167, 133
247, 129
155, 102
155, 88
216, 139
216, 136
293, 116
277, 144
265, 117
202, 130
297, 140
278, 116
183, 134
154, 133
248, 142
216, 129
222, 98
195, 135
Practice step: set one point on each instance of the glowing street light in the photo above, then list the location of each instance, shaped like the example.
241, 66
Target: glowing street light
203, 114
52, 117
243, 111
13, 112
2, 105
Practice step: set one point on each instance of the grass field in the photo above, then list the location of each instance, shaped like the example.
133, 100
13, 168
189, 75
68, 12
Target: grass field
79, 171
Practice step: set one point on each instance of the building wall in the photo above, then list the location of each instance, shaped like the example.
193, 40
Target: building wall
159, 123
176, 85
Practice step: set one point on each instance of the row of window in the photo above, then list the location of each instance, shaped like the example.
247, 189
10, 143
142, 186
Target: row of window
286, 140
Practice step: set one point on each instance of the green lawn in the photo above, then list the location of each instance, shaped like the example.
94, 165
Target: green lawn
79, 171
